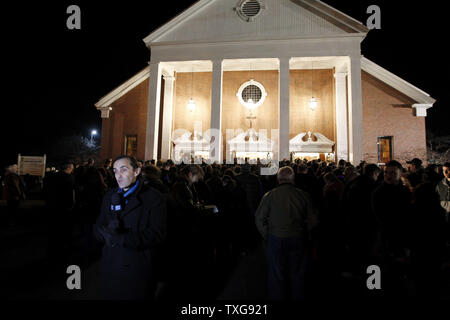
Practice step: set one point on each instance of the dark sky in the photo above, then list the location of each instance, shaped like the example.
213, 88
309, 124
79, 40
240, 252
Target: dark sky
55, 75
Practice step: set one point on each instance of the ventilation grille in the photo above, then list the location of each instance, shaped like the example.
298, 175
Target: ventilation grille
250, 8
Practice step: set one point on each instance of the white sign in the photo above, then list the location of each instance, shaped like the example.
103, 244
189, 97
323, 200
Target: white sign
34, 166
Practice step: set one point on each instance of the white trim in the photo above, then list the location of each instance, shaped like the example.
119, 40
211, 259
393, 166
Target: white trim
341, 115
396, 82
355, 111
332, 15
357, 23
153, 110
245, 85
123, 89
169, 26
258, 40
167, 116
216, 111
348, 46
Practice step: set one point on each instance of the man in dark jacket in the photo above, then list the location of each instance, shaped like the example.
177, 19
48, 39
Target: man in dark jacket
253, 190
132, 222
361, 222
391, 203
415, 165
185, 234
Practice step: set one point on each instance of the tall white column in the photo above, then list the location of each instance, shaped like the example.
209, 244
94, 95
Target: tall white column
341, 115
216, 112
154, 98
355, 111
283, 111
166, 139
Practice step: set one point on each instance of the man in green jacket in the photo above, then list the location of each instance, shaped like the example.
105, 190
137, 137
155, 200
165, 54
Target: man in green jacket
284, 218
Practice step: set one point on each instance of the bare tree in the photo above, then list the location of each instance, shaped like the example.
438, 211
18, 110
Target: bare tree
438, 148
73, 147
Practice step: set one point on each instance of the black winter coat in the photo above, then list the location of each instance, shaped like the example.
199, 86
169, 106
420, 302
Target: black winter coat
391, 205
127, 268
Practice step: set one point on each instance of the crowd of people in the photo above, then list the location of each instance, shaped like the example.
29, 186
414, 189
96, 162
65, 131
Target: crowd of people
163, 225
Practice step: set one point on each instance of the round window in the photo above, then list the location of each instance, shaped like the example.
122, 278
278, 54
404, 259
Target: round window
251, 94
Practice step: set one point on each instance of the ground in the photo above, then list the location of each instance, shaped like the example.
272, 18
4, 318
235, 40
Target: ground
27, 273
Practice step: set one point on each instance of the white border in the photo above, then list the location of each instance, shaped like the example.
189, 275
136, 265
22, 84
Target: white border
254, 105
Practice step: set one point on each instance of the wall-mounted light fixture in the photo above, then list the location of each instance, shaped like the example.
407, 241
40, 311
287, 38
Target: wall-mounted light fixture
191, 103
312, 101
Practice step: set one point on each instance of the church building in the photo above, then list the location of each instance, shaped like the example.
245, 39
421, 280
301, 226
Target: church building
267, 79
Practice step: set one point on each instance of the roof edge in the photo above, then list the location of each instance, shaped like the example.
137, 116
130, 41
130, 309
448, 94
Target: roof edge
172, 23
333, 15
420, 96
124, 88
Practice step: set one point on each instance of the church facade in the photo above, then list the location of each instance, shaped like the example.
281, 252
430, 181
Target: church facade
263, 79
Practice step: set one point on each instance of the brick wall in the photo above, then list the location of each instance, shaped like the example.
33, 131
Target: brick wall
127, 117
387, 112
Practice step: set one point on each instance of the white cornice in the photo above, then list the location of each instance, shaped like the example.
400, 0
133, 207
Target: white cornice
421, 109
104, 111
260, 40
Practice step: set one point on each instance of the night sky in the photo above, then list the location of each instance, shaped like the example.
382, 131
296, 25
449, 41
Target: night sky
54, 75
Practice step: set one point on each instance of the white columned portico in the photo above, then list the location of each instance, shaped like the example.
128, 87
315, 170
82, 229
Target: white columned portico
154, 98
166, 139
283, 111
355, 111
341, 115
215, 153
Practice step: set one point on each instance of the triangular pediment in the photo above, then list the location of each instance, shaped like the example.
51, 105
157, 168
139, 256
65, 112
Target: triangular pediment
222, 20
